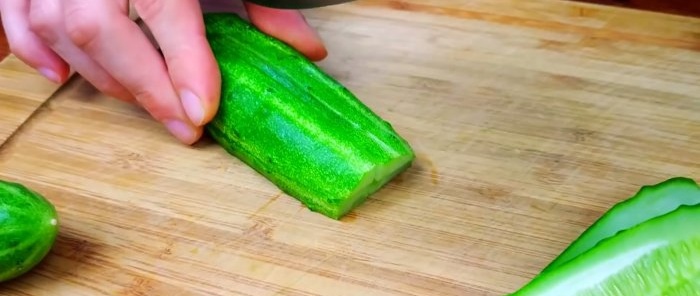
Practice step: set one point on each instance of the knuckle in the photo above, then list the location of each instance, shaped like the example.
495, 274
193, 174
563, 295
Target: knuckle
40, 24
97, 81
44, 25
157, 108
25, 50
107, 86
112, 89
81, 27
148, 9
118, 92
21, 50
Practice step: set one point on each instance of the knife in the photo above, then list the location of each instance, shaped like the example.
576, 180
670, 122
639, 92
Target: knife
297, 4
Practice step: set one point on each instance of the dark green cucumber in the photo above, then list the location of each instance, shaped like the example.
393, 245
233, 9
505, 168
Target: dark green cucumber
649, 202
660, 256
297, 126
28, 229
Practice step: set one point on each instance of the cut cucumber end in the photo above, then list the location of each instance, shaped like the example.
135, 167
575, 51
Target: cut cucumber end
371, 182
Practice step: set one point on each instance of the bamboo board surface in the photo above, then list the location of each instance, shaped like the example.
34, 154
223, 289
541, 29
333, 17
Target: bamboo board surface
530, 118
22, 91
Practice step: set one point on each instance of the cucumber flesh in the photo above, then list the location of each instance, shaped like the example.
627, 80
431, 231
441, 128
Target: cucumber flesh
650, 201
371, 183
660, 256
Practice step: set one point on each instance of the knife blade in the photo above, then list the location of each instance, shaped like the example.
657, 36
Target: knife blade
297, 4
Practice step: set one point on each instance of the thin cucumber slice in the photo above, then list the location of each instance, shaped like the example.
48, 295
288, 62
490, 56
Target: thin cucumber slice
660, 256
650, 201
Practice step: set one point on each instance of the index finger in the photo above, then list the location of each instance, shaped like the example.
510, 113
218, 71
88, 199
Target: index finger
103, 31
178, 28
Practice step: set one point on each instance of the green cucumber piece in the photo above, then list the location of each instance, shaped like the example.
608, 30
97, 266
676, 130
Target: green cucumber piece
28, 229
649, 202
297, 126
660, 256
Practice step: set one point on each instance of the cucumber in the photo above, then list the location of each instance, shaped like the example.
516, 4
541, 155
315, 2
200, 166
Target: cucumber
649, 202
294, 124
660, 256
28, 229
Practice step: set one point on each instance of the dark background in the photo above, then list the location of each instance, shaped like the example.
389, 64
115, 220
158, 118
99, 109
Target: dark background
682, 7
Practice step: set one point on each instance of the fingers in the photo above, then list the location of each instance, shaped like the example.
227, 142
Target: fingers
180, 89
179, 30
26, 45
288, 26
102, 31
46, 20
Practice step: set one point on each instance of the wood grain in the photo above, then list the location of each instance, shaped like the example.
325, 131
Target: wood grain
529, 118
22, 91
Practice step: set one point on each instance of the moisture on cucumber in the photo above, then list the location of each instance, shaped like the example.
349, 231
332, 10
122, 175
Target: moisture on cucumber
649, 202
28, 229
297, 126
660, 256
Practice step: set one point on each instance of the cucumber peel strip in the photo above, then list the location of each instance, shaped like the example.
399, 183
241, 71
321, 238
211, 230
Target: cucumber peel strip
648, 244
649, 202
659, 256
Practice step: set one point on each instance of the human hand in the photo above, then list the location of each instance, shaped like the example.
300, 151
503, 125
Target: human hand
179, 88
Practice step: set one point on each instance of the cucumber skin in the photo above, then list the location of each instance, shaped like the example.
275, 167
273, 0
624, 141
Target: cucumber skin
649, 202
28, 229
294, 124
678, 228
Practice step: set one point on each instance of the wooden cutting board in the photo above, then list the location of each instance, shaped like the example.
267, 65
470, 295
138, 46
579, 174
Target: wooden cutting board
22, 91
530, 118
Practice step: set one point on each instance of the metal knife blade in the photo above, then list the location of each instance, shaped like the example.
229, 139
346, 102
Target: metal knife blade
297, 4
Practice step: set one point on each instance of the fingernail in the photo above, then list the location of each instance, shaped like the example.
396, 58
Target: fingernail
50, 75
193, 106
181, 130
